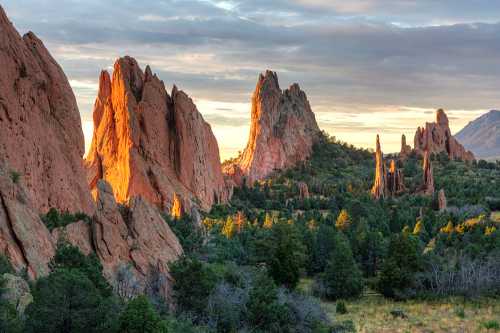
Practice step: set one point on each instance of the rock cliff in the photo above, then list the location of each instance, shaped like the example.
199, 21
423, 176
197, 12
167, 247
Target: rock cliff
428, 178
283, 130
41, 136
436, 138
149, 143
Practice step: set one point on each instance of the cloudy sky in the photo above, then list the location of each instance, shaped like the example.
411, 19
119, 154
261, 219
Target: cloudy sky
368, 66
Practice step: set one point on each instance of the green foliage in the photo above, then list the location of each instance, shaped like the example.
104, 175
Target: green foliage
342, 277
264, 310
189, 235
340, 308
67, 301
54, 219
194, 281
398, 271
15, 177
5, 266
69, 257
283, 252
491, 325
10, 322
139, 316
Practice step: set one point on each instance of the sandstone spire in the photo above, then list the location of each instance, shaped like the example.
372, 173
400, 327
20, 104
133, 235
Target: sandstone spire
442, 200
405, 148
428, 178
41, 135
283, 130
387, 182
379, 185
149, 143
436, 138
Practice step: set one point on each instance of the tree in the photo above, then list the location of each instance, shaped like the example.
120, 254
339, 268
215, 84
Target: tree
228, 228
342, 277
283, 252
268, 221
68, 301
69, 257
139, 316
343, 220
265, 313
193, 283
398, 271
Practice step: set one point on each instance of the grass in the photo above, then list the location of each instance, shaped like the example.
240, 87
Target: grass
372, 313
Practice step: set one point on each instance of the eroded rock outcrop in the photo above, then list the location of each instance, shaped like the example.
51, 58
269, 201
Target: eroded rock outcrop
151, 144
303, 190
436, 138
283, 130
428, 178
405, 148
24, 239
41, 136
387, 182
442, 200
16, 292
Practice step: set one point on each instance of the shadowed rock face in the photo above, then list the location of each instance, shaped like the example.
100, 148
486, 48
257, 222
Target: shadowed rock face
436, 138
283, 130
40, 128
405, 148
151, 144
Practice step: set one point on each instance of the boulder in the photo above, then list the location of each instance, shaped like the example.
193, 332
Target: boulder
41, 136
16, 291
283, 130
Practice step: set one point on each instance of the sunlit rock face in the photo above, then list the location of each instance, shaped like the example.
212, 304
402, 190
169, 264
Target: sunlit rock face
283, 130
149, 143
436, 138
41, 136
428, 177
387, 182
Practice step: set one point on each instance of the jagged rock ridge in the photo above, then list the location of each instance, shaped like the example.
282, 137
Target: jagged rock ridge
149, 143
283, 130
436, 138
41, 136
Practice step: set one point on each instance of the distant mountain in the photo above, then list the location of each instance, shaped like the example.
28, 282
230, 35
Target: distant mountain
482, 136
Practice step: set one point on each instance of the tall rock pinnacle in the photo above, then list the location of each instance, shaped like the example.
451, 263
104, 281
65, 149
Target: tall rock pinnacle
41, 136
405, 148
283, 130
436, 138
428, 178
149, 143
388, 182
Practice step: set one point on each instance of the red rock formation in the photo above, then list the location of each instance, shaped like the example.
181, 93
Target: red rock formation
138, 235
176, 211
282, 132
387, 182
303, 190
151, 144
24, 239
436, 138
405, 148
379, 186
442, 200
428, 179
41, 136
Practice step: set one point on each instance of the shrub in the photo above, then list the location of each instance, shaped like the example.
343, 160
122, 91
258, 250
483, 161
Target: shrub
491, 325
15, 177
139, 316
342, 277
5, 266
194, 282
340, 308
53, 219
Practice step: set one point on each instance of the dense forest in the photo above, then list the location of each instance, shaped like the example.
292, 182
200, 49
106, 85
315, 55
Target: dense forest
244, 261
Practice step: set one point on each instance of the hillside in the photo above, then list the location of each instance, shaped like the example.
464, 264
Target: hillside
482, 136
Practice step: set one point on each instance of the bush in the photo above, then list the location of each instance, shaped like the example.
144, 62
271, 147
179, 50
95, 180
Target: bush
53, 219
5, 266
340, 308
139, 316
342, 277
193, 283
